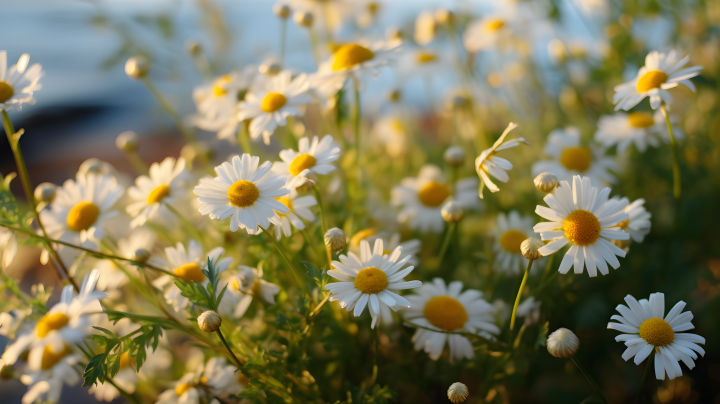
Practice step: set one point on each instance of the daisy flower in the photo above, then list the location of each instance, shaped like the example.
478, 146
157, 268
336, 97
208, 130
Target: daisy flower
46, 382
298, 210
510, 232
447, 308
244, 192
243, 285
313, 157
422, 198
269, 107
18, 83
570, 158
624, 129
489, 32
645, 330
369, 280
660, 73
638, 222
8, 247
487, 163
390, 132
140, 240
186, 265
81, 209
163, 186
582, 216
215, 378
126, 378
391, 241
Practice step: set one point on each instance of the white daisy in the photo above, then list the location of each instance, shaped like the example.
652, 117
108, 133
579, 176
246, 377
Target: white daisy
571, 158
390, 132
489, 32
126, 378
645, 330
243, 286
112, 277
298, 210
447, 308
313, 157
18, 83
8, 247
269, 107
510, 232
244, 191
46, 382
487, 163
391, 241
583, 216
422, 198
624, 129
370, 280
163, 186
81, 209
216, 378
638, 222
12, 322
660, 73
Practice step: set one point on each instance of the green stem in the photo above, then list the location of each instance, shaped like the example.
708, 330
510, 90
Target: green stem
548, 267
589, 378
377, 354
643, 383
542, 286
287, 260
137, 162
169, 109
677, 186
446, 242
222, 338
519, 295
323, 224
244, 138
356, 119
186, 223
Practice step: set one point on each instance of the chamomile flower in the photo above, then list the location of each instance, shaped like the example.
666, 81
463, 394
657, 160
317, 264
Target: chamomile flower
447, 308
637, 225
510, 232
8, 247
314, 156
244, 192
570, 158
390, 132
46, 382
244, 285
18, 83
488, 163
369, 280
582, 216
215, 378
141, 240
391, 241
489, 32
299, 209
126, 378
268, 107
644, 330
150, 193
187, 266
661, 72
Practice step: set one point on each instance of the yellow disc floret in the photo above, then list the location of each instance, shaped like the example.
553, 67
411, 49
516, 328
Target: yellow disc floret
285, 201
657, 332
181, 388
494, 25
510, 240
433, 194
576, 158
189, 272
126, 360
445, 313
350, 55
82, 216
650, 80
624, 224
50, 357
302, 162
219, 89
6, 91
425, 57
243, 194
273, 102
371, 280
581, 227
158, 194
640, 120
51, 322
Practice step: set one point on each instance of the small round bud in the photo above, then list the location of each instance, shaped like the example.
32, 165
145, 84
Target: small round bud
45, 192
454, 156
193, 47
444, 16
141, 255
304, 18
270, 69
563, 343
127, 141
137, 67
546, 182
209, 321
452, 212
458, 392
91, 165
308, 184
335, 239
281, 10
530, 248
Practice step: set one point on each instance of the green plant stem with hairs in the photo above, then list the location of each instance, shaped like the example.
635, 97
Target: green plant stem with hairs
517, 299
287, 260
227, 346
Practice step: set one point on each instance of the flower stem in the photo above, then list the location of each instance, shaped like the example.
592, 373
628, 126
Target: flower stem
548, 267
677, 186
169, 109
519, 295
287, 260
222, 338
356, 119
244, 138
373, 379
137, 162
318, 195
643, 383
446, 241
589, 378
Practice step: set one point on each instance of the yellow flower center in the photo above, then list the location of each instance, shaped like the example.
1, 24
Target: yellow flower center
218, 90
494, 25
433, 194
445, 313
301, 163
6, 91
657, 332
50, 358
641, 120
82, 216
285, 201
425, 57
581, 227
650, 80
273, 102
371, 280
181, 388
243, 194
510, 240
576, 158
51, 322
255, 289
623, 225
360, 236
189, 272
235, 285
387, 252
126, 360
158, 194
350, 55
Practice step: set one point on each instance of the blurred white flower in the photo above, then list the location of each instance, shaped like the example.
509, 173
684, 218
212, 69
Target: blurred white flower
243, 285
510, 232
488, 163
313, 157
150, 193
18, 83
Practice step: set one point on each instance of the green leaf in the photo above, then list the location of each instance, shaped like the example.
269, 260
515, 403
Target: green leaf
320, 278
542, 335
195, 293
95, 370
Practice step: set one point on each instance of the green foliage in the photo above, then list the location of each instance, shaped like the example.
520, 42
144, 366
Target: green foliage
208, 296
8, 204
320, 278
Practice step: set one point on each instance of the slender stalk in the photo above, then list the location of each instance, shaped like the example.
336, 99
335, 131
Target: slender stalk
222, 338
519, 295
244, 138
317, 308
544, 285
643, 383
548, 267
190, 227
356, 119
377, 354
318, 195
446, 241
287, 260
677, 186
589, 378
169, 109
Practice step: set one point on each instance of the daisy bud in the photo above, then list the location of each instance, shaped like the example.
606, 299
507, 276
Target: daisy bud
91, 165
137, 67
335, 239
452, 212
141, 255
45, 192
563, 343
444, 16
307, 185
304, 18
281, 10
193, 47
530, 248
209, 321
458, 392
454, 156
270, 69
127, 141
546, 182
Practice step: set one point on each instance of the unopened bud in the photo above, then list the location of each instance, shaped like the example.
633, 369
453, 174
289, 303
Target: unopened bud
304, 18
137, 67
209, 321
546, 182
335, 239
127, 141
454, 156
530, 248
563, 343
458, 392
45, 192
307, 184
141, 255
91, 165
281, 10
452, 212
